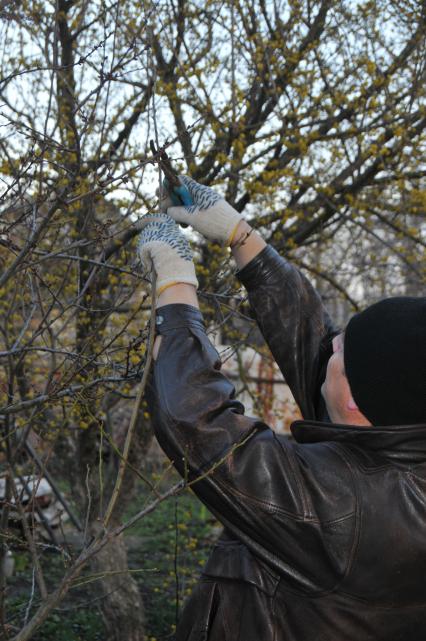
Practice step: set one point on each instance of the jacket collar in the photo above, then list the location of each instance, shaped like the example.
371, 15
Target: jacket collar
406, 443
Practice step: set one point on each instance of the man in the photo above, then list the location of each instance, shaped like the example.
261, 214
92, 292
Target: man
325, 537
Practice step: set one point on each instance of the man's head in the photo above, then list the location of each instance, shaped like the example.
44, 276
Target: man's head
377, 373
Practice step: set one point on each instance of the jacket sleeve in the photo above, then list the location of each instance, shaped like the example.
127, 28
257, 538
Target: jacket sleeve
246, 475
294, 324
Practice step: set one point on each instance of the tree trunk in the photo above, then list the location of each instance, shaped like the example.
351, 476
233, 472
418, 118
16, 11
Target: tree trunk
121, 602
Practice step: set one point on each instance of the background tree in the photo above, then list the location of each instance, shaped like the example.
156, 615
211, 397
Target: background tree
309, 116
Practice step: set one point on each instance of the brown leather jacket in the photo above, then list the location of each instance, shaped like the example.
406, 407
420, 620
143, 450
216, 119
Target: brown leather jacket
325, 537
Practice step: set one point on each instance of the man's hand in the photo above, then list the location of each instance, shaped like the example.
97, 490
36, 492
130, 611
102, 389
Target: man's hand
210, 214
162, 244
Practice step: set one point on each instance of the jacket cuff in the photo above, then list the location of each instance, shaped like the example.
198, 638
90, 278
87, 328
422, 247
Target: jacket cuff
177, 315
260, 267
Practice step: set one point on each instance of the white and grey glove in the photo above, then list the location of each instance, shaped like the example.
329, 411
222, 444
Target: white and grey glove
162, 244
209, 214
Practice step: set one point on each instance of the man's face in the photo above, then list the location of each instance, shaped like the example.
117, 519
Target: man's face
335, 389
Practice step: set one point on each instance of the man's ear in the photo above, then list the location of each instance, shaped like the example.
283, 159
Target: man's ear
355, 414
351, 405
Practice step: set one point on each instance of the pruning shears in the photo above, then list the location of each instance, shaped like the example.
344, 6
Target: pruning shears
178, 193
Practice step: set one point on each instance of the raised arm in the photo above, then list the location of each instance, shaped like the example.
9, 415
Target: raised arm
294, 323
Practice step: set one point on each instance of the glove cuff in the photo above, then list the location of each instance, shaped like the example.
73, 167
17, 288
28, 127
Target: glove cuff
169, 282
224, 221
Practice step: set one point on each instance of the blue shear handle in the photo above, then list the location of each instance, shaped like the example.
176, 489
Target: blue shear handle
179, 195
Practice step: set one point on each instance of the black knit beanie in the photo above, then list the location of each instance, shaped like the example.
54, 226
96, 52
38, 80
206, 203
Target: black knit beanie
385, 361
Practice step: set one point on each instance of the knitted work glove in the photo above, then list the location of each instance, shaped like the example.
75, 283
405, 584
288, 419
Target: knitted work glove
210, 214
163, 244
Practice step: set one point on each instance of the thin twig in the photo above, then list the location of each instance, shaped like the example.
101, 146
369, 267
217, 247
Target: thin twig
69, 391
136, 409
89, 506
34, 238
31, 599
29, 537
150, 347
